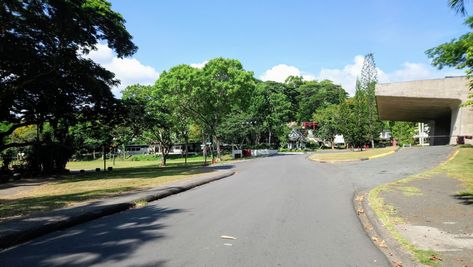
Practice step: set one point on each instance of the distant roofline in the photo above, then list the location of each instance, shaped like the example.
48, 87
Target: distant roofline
432, 79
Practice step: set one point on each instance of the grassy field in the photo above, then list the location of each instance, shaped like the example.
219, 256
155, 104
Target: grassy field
352, 155
459, 166
72, 190
120, 163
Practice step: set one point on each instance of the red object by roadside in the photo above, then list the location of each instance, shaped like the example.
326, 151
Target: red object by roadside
246, 153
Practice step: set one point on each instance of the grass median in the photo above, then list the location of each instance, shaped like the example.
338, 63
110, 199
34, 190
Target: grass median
353, 155
458, 166
75, 189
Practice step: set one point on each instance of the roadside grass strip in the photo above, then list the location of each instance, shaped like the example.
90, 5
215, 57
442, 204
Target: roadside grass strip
77, 189
458, 166
354, 155
130, 163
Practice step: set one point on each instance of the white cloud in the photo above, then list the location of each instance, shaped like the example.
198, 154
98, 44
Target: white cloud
127, 70
347, 75
279, 73
199, 65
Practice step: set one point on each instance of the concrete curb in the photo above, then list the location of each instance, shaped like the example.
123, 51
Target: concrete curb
380, 237
355, 160
13, 238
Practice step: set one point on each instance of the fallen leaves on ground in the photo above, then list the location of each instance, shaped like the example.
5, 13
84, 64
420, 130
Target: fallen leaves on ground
359, 198
228, 237
435, 258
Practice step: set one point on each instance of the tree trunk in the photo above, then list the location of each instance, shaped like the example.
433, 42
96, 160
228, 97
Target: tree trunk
217, 146
104, 159
212, 152
372, 143
163, 155
269, 138
93, 154
186, 147
204, 148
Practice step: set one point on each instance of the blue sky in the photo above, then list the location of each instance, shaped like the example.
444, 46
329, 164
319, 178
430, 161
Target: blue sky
317, 39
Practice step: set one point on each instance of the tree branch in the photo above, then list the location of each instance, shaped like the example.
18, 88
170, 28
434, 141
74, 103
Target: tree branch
13, 128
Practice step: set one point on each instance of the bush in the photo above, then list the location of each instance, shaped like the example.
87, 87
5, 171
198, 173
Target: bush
312, 145
144, 157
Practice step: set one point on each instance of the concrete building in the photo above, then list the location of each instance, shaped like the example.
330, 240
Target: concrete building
436, 102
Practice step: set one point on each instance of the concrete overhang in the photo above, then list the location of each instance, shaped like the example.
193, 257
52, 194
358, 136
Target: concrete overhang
421, 100
415, 109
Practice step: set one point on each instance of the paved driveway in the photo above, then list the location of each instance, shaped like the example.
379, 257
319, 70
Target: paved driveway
282, 210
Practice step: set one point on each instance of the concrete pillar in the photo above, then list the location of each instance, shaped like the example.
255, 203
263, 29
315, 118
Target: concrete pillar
455, 125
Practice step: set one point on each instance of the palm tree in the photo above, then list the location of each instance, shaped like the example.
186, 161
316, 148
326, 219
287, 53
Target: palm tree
458, 5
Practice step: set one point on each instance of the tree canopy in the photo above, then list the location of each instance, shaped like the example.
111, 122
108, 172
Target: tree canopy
44, 73
457, 53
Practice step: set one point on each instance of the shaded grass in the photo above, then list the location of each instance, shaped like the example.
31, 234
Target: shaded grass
461, 168
458, 166
91, 186
120, 163
355, 155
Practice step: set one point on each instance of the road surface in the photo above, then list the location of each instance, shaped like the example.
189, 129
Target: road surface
282, 210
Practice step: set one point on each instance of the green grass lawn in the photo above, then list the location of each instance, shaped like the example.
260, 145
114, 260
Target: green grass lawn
75, 189
120, 163
352, 155
461, 167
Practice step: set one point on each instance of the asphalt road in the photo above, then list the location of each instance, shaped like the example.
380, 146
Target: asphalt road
282, 210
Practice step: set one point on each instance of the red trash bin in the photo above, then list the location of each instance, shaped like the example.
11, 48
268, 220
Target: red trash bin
246, 153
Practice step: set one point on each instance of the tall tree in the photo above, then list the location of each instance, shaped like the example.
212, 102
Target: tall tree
292, 84
313, 95
210, 94
403, 132
44, 74
458, 5
179, 85
368, 84
329, 122
458, 52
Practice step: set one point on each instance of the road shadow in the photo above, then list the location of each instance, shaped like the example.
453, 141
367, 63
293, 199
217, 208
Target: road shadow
464, 198
107, 241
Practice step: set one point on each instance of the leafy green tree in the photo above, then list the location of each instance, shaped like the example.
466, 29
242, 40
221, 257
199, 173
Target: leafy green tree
226, 86
44, 74
403, 132
158, 120
457, 54
329, 122
236, 128
291, 87
458, 5
275, 109
210, 94
355, 122
313, 95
